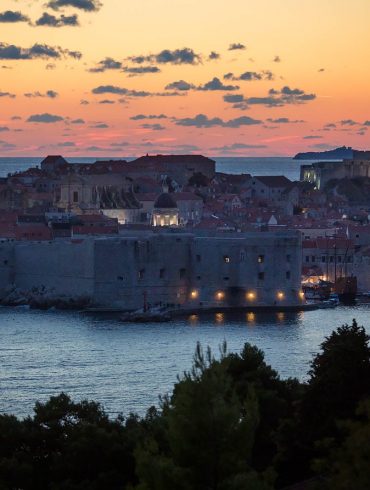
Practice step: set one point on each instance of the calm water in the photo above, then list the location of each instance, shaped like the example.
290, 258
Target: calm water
255, 166
127, 366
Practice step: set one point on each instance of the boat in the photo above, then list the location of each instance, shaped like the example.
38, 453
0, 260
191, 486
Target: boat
346, 288
332, 302
146, 316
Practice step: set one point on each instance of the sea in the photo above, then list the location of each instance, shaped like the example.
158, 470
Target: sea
127, 367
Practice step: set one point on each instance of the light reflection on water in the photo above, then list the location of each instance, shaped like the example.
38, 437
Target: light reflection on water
127, 366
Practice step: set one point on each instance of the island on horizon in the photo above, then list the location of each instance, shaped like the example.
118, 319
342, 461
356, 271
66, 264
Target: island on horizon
341, 153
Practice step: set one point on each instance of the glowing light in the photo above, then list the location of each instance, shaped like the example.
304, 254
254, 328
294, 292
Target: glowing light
251, 317
220, 317
280, 295
251, 296
194, 294
220, 295
301, 294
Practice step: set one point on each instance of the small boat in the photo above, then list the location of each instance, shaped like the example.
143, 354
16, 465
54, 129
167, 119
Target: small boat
146, 316
332, 302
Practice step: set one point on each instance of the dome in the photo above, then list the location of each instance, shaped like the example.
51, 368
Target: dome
165, 201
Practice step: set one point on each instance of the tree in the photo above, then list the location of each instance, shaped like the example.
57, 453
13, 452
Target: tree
210, 435
68, 445
348, 466
339, 381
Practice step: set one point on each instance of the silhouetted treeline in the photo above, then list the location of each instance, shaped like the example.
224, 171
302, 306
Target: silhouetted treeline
230, 424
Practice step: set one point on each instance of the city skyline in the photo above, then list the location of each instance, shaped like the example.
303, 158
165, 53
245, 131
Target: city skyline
109, 78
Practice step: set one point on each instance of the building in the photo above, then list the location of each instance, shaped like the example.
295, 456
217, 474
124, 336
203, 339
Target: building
200, 270
178, 167
320, 173
330, 257
165, 211
270, 188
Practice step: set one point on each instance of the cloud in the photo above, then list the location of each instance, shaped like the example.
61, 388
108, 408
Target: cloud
106, 64
112, 89
122, 143
180, 85
42, 51
53, 21
366, 123
237, 146
3, 129
202, 121
84, 102
249, 76
66, 144
7, 94
109, 89
45, 118
16, 118
51, 94
233, 98
9, 16
140, 70
184, 56
77, 121
140, 117
7, 146
285, 120
50, 66
216, 84
214, 56
212, 85
349, 122
100, 126
86, 5
106, 101
153, 127
237, 46
279, 98
277, 59
312, 137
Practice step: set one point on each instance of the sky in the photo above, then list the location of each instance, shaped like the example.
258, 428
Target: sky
217, 77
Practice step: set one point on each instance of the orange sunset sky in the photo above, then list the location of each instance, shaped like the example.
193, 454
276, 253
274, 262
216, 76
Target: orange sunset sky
218, 77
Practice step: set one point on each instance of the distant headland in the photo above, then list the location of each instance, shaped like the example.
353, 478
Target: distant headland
340, 153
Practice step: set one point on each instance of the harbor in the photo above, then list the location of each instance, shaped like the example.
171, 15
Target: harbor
127, 366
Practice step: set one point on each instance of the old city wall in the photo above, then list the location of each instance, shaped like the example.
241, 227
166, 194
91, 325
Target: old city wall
62, 267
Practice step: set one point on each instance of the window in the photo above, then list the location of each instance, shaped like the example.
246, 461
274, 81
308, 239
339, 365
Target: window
331, 258
199, 278
5, 262
75, 196
120, 278
307, 258
313, 258
141, 273
323, 258
162, 273
226, 278
261, 259
287, 275
288, 257
182, 273
261, 276
339, 258
226, 259
243, 256
199, 258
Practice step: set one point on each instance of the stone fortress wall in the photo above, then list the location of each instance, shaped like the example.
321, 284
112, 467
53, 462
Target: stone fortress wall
174, 268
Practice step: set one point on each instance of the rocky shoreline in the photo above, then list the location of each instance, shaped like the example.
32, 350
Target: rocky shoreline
42, 299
